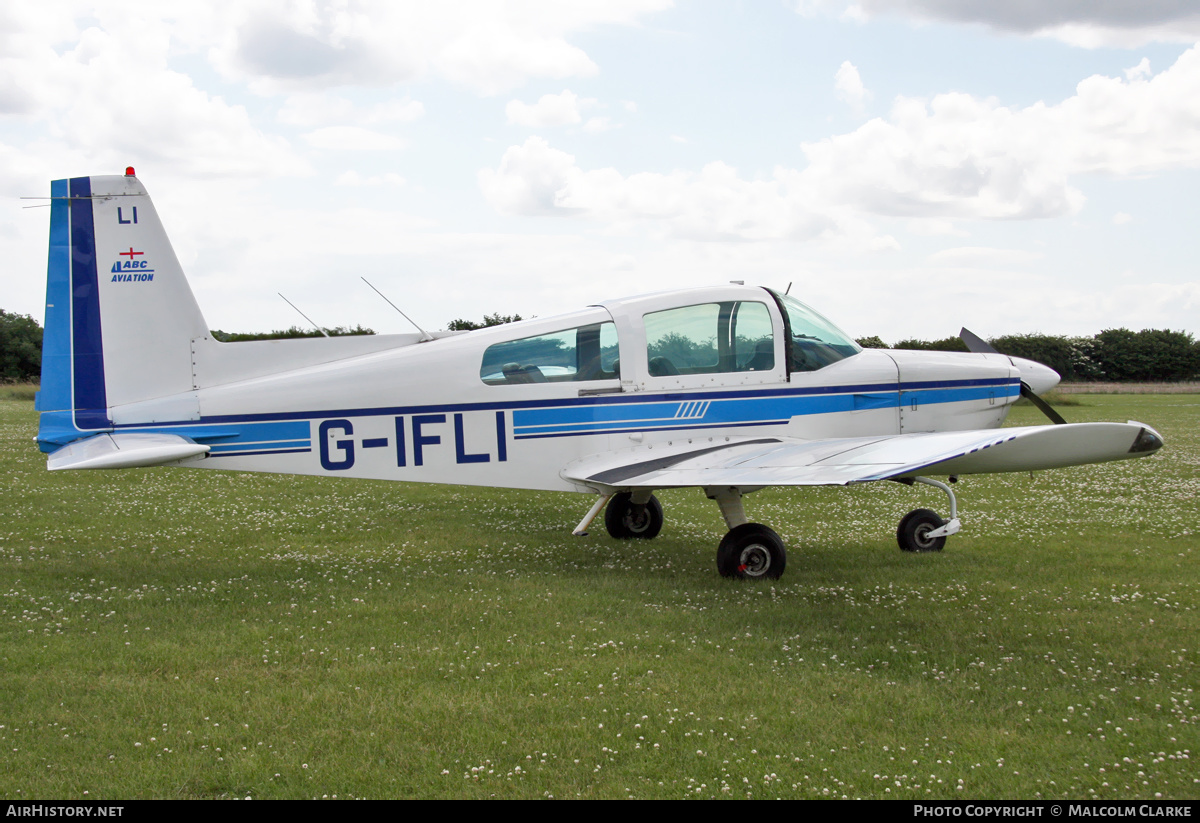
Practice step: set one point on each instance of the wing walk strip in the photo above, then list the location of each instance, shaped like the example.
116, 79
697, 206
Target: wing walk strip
615, 476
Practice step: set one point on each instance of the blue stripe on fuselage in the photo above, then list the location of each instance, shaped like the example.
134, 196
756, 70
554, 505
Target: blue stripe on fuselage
245, 432
280, 445
304, 450
281, 432
1012, 385
732, 412
264, 438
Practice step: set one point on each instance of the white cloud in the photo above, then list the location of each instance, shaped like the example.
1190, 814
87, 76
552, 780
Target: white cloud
401, 110
882, 243
714, 203
322, 108
1085, 23
315, 109
352, 138
353, 178
955, 157
846, 10
486, 46
529, 178
550, 110
1139, 72
983, 256
960, 156
108, 96
849, 86
951, 158
598, 124
1121, 218
932, 227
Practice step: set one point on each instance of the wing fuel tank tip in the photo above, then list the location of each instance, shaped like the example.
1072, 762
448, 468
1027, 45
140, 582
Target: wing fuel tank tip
1147, 441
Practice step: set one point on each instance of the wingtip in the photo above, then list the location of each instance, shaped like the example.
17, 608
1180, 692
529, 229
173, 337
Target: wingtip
1147, 441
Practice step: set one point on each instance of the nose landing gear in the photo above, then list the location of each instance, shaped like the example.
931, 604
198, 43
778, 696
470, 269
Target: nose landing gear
922, 530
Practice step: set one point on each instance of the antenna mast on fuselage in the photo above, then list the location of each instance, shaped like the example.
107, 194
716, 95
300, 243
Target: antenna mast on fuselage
302, 314
425, 336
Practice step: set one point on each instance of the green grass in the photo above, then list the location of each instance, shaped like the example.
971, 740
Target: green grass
1055, 398
18, 391
196, 634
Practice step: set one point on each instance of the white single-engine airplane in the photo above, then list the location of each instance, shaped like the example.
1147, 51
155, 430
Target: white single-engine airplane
730, 388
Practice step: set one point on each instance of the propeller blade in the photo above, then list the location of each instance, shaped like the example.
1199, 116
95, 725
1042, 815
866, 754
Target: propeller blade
1044, 407
975, 343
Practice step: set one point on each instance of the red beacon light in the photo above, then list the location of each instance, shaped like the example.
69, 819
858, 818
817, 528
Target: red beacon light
129, 171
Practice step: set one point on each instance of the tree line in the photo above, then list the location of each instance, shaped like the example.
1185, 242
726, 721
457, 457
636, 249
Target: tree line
20, 348
1117, 355
287, 334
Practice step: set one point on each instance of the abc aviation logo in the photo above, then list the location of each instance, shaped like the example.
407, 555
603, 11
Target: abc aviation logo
132, 270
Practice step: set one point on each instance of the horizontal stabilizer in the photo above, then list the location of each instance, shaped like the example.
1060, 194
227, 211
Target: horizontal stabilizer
124, 451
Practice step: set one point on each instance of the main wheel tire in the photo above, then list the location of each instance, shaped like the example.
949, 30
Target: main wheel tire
624, 521
751, 551
913, 533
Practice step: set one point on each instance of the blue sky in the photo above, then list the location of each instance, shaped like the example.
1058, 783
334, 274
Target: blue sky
910, 166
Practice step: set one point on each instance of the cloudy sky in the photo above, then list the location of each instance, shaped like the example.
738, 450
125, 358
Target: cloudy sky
909, 166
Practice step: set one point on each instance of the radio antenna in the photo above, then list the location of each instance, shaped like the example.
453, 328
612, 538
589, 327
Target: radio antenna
302, 314
425, 336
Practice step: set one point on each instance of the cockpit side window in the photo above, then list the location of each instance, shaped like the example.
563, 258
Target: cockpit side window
814, 342
710, 338
583, 353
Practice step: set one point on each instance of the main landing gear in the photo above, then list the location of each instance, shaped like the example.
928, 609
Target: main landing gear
628, 517
751, 550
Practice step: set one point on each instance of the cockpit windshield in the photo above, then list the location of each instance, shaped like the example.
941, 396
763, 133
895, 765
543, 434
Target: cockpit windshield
815, 342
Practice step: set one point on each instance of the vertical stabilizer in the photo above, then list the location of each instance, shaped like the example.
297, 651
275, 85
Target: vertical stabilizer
120, 316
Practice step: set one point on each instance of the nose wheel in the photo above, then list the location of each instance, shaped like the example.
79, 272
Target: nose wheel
915, 529
923, 530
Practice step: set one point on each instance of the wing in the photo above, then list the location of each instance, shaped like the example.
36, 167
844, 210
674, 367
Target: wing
749, 463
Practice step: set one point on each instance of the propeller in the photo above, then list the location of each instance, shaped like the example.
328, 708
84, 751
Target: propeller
974, 342
977, 344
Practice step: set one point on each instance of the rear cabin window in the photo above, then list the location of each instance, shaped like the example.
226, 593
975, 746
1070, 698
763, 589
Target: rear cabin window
583, 353
710, 338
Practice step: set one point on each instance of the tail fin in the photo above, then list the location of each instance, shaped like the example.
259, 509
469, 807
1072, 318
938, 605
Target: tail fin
121, 320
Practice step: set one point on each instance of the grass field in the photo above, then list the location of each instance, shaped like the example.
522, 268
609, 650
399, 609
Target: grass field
201, 634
